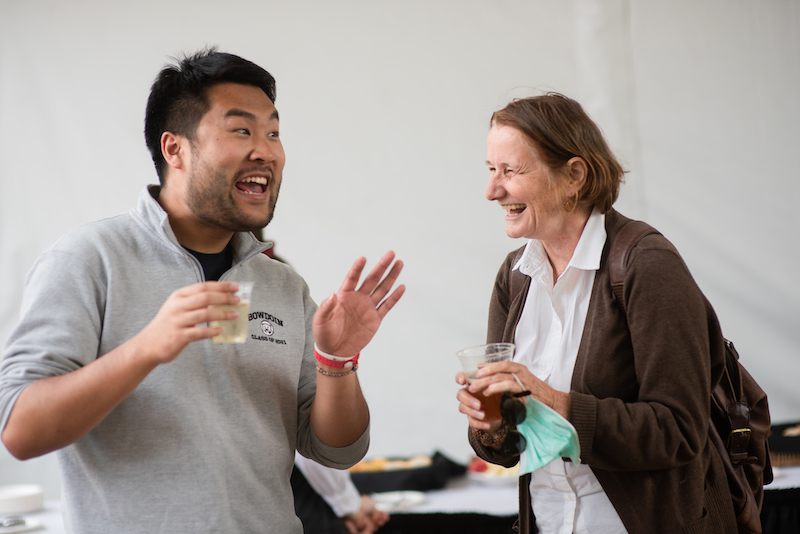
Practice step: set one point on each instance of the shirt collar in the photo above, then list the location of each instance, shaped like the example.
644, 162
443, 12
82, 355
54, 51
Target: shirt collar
590, 246
586, 256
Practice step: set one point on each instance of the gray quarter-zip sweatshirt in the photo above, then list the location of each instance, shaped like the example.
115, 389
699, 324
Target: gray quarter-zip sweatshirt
205, 444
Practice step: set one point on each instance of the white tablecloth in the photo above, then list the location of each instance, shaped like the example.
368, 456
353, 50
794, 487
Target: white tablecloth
464, 495
461, 495
785, 478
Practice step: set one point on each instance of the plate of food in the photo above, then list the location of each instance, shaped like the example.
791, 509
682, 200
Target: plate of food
394, 501
391, 464
482, 471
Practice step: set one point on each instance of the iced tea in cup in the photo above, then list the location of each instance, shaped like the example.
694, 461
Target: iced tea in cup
473, 359
236, 330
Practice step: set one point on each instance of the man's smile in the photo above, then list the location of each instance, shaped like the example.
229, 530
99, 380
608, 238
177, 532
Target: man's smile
253, 185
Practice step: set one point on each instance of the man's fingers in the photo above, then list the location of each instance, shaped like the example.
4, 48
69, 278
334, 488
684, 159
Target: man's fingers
202, 332
389, 303
351, 279
325, 309
203, 287
372, 284
206, 298
218, 314
195, 317
373, 279
386, 284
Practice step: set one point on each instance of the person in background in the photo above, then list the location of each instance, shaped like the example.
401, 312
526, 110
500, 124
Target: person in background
158, 428
636, 387
328, 502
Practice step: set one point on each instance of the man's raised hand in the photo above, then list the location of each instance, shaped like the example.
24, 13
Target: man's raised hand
347, 320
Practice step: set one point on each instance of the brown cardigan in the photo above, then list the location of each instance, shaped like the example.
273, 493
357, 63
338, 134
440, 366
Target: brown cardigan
640, 393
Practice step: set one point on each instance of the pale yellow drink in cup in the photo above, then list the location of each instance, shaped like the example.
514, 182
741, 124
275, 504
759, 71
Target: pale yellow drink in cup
473, 359
236, 330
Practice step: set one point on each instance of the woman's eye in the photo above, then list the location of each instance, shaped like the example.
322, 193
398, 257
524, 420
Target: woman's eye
244, 131
274, 134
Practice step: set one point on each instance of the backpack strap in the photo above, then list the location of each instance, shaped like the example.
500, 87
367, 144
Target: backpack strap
730, 391
627, 237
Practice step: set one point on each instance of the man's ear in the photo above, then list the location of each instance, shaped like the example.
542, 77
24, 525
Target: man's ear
173, 148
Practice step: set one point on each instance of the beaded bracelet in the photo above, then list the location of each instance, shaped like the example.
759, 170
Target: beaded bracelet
322, 371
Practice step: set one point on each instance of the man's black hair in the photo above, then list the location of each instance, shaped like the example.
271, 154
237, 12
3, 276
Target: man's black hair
179, 99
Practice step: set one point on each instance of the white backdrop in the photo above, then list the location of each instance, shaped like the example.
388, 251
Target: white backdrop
384, 114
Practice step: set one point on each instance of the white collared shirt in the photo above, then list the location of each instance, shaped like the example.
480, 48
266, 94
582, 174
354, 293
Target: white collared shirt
566, 498
333, 485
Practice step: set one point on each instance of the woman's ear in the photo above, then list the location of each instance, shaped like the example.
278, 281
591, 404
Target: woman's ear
172, 148
577, 170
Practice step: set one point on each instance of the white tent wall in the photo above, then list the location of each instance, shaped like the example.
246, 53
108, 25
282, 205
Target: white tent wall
384, 114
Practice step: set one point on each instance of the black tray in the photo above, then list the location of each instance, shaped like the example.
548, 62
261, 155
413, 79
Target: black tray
434, 476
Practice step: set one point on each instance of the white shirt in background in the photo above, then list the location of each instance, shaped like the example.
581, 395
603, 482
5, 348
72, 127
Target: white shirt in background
333, 485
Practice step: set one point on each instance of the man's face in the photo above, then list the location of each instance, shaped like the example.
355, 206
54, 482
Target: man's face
237, 160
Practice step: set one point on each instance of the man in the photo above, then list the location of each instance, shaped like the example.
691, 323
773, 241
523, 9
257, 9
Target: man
158, 428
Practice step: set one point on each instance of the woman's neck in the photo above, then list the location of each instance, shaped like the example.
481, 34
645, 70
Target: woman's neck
560, 249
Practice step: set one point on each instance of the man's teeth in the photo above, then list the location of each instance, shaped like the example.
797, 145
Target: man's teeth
256, 179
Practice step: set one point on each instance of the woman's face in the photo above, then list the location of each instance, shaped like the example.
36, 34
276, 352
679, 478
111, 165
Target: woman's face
523, 185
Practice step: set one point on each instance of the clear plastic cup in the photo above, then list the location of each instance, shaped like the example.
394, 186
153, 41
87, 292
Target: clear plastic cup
472, 359
236, 330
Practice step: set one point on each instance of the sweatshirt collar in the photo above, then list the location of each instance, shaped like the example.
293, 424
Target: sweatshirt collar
154, 217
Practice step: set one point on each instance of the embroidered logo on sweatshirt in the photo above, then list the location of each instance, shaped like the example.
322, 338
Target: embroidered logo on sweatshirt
267, 324
267, 327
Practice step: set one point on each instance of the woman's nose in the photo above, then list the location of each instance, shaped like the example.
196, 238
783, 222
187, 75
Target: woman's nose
493, 190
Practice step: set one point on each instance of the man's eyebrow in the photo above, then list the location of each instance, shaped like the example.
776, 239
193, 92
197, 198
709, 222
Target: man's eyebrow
236, 112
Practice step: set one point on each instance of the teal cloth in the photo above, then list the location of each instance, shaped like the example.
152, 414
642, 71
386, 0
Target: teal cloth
549, 436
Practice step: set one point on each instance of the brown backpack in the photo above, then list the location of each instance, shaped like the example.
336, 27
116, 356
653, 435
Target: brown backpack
740, 421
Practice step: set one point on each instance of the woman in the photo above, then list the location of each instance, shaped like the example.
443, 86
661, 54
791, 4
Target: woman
637, 387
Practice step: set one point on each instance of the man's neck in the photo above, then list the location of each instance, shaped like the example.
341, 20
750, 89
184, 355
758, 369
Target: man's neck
191, 232
195, 235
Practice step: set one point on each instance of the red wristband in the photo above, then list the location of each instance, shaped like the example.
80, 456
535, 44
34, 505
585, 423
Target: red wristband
342, 364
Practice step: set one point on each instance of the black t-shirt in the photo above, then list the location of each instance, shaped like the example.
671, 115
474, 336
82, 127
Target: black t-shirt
215, 265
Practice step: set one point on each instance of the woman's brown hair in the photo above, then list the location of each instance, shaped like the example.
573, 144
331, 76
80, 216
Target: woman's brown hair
560, 129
